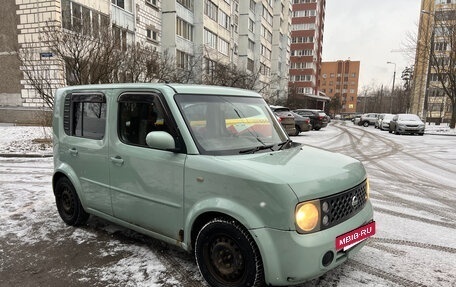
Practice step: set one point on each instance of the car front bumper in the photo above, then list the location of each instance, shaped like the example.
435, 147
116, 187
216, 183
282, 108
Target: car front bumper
411, 130
291, 258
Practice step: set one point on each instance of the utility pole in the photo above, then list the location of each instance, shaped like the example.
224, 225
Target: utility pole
392, 90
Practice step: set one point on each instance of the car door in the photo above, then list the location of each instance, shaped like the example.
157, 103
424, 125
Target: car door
85, 148
146, 183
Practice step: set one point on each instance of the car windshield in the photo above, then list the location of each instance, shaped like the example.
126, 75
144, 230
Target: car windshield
228, 125
410, 117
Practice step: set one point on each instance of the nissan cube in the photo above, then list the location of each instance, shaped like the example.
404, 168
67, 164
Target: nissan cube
211, 170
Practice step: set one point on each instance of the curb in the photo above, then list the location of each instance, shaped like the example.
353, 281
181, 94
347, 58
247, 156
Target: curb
440, 134
24, 155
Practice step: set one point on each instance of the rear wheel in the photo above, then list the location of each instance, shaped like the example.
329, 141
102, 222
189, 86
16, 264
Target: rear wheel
298, 130
68, 203
227, 255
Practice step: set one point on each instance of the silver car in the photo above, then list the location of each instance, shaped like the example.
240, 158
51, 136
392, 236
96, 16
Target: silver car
406, 123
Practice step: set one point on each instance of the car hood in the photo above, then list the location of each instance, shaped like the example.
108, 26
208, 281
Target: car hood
309, 172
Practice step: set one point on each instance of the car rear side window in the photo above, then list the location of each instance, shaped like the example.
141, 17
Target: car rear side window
85, 115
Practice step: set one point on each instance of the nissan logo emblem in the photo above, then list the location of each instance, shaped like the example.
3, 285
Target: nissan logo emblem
355, 201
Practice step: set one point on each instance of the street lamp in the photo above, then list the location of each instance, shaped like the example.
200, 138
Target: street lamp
392, 91
428, 76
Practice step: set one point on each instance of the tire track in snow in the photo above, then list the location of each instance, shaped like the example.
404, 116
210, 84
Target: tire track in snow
383, 274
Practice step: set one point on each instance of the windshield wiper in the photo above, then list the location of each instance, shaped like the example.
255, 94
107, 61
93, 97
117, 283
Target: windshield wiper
282, 144
258, 148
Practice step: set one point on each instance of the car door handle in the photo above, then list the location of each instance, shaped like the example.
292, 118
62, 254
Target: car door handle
117, 160
73, 151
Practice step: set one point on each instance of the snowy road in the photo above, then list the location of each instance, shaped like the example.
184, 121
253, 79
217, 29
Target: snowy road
413, 187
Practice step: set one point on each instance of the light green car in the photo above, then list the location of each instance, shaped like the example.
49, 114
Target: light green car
211, 170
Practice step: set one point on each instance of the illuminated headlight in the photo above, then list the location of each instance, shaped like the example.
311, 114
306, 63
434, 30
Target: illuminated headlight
307, 216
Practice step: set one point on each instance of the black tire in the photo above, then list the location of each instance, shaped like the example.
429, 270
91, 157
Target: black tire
397, 132
68, 203
317, 128
298, 130
366, 124
390, 131
227, 255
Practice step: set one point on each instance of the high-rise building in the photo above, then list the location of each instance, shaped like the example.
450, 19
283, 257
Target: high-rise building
339, 81
428, 99
251, 35
306, 51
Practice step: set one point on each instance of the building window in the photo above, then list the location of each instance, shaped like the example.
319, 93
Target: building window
250, 65
183, 60
252, 5
119, 3
265, 52
184, 29
152, 34
251, 46
186, 3
224, 20
210, 39
153, 3
210, 10
223, 46
251, 25
266, 15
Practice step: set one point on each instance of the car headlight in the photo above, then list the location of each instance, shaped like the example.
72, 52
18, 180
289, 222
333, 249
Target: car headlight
307, 216
367, 189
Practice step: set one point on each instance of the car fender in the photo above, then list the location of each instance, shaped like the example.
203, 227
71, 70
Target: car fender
220, 206
66, 170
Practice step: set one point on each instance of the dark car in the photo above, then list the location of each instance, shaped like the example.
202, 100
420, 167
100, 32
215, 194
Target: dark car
285, 118
302, 124
318, 118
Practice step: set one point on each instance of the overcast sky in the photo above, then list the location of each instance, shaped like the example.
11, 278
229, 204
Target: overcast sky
368, 31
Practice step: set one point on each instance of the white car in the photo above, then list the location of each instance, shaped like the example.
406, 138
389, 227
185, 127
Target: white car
384, 121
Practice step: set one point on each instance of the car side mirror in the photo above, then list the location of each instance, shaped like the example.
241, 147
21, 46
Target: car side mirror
160, 140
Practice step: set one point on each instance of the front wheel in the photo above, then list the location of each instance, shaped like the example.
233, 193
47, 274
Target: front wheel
227, 255
366, 124
68, 203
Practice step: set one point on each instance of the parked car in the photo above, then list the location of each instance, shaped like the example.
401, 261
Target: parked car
286, 119
406, 123
318, 118
368, 119
356, 119
384, 121
302, 124
210, 170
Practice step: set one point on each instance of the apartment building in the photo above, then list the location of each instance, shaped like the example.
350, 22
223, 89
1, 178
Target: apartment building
252, 35
428, 99
339, 81
306, 50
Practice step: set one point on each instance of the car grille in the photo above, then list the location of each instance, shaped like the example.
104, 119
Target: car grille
343, 205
